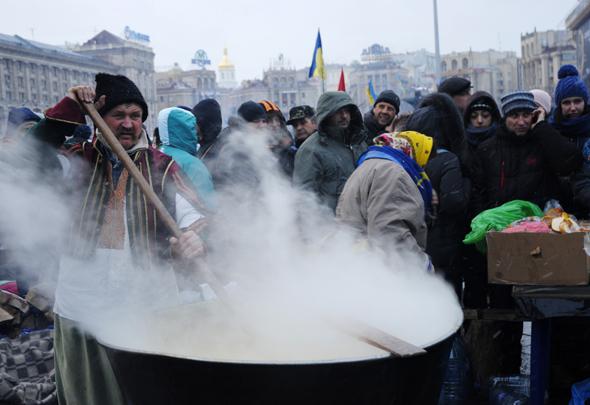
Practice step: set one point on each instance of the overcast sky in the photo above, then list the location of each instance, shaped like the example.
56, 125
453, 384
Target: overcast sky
255, 32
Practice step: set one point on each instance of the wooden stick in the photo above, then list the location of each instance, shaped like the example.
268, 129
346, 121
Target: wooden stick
152, 197
376, 337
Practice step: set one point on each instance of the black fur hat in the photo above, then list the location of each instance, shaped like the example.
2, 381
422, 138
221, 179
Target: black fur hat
118, 90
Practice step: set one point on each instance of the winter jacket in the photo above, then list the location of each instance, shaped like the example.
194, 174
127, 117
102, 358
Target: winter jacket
581, 183
509, 167
581, 189
448, 170
454, 190
178, 134
327, 158
577, 130
372, 126
381, 201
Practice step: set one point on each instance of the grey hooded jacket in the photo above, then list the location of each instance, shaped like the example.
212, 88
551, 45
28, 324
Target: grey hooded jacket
328, 157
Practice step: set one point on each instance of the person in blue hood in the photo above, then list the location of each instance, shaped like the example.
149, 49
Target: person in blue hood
177, 129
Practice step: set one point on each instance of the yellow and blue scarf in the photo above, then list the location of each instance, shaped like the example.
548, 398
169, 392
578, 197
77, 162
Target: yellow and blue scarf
417, 174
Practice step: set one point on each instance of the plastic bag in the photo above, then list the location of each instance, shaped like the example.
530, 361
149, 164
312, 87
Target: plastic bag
580, 392
496, 219
513, 390
457, 383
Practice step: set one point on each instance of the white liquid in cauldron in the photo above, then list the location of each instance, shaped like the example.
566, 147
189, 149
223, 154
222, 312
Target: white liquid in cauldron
208, 332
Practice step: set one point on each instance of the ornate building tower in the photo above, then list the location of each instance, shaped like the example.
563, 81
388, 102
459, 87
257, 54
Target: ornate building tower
227, 73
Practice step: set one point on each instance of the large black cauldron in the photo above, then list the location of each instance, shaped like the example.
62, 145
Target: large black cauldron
154, 379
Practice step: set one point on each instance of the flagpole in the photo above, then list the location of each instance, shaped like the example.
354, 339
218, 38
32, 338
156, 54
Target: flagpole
323, 85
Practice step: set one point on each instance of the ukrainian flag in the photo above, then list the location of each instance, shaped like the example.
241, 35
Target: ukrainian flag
317, 64
371, 93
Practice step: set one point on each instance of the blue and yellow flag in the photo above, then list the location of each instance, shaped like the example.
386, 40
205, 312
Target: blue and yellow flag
371, 93
317, 63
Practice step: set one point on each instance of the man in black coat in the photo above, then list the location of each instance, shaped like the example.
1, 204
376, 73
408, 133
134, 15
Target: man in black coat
523, 160
385, 109
208, 114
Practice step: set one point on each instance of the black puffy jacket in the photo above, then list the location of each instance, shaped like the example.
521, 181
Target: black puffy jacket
448, 170
453, 188
509, 167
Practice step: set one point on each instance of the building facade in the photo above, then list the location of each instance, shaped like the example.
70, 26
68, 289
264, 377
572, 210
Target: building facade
542, 55
184, 87
493, 71
380, 67
578, 21
37, 75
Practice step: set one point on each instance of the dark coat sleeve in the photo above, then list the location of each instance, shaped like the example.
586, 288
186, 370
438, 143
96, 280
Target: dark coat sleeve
308, 170
454, 189
563, 156
581, 187
479, 191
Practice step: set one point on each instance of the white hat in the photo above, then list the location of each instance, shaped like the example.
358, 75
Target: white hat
542, 99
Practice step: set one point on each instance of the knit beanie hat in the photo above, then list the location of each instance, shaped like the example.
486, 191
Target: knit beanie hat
542, 99
389, 97
519, 100
208, 113
272, 110
269, 106
569, 85
251, 111
118, 90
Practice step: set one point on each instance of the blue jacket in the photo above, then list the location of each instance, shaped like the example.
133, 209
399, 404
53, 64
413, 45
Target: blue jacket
178, 133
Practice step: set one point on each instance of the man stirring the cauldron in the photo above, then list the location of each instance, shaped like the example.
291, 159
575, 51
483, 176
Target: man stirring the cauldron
115, 229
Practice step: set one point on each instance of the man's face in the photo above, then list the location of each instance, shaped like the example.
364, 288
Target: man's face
462, 100
384, 113
304, 128
480, 119
572, 107
274, 123
519, 122
125, 122
258, 124
341, 118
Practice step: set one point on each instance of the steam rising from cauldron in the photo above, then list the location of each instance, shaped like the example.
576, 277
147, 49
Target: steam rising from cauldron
291, 269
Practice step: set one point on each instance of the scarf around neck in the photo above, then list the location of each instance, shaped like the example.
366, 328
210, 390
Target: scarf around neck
416, 173
475, 136
578, 127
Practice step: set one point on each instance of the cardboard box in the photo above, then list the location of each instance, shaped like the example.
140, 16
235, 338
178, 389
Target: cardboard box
537, 258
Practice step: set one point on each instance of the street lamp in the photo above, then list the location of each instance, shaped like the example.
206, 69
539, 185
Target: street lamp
436, 44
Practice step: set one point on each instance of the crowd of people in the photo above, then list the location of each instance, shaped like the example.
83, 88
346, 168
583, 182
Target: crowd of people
408, 181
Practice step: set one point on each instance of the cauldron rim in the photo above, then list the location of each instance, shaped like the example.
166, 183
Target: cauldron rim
383, 355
